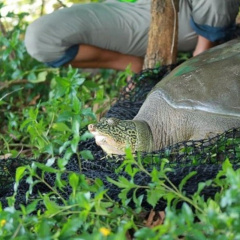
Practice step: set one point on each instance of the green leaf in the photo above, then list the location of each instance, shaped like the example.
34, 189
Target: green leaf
52, 207
62, 162
60, 183
61, 127
122, 182
64, 116
187, 213
131, 170
50, 161
46, 168
20, 173
48, 148
44, 229
185, 179
64, 146
2, 102
79, 81
201, 186
73, 181
88, 112
32, 207
33, 113
145, 233
226, 165
83, 200
41, 77
155, 174
76, 104
62, 87
70, 228
6, 53
86, 135
153, 196
68, 153
123, 195
25, 123
87, 154
137, 200
100, 94
76, 124
32, 77
16, 74
15, 38
74, 143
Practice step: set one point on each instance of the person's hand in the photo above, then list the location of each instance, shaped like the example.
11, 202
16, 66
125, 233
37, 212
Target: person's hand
203, 44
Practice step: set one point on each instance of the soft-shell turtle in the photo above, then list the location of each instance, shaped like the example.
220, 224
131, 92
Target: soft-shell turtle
198, 99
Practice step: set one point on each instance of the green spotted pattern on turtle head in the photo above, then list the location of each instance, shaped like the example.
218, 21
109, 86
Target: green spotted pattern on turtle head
118, 129
114, 131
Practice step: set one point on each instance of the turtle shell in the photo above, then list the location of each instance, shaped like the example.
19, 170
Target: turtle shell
209, 82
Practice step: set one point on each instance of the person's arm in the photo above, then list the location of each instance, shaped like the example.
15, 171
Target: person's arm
202, 45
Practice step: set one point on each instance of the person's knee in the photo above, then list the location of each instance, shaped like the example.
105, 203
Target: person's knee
40, 41
33, 41
46, 40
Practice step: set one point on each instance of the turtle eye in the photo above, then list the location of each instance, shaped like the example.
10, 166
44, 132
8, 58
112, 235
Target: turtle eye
113, 121
110, 121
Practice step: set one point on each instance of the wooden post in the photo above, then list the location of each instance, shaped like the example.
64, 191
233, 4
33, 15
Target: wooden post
163, 34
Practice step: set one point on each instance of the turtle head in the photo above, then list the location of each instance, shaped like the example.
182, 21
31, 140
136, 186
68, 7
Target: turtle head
113, 135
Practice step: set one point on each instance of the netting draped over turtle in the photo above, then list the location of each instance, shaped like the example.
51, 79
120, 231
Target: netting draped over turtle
204, 157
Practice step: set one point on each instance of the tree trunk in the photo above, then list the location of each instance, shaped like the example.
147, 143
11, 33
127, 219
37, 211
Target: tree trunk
163, 34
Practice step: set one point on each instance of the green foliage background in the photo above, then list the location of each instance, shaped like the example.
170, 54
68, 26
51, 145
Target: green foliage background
44, 113
46, 106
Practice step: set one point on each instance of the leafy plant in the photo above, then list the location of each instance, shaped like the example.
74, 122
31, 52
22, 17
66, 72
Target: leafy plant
41, 107
44, 113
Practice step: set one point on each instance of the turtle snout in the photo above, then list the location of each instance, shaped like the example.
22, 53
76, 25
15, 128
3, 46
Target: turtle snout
91, 128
